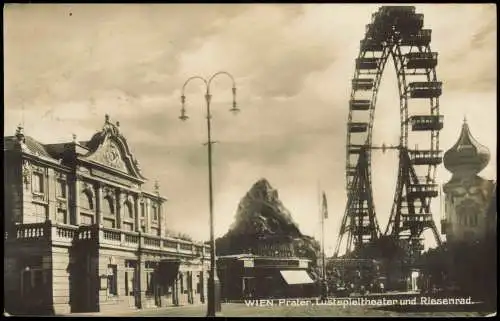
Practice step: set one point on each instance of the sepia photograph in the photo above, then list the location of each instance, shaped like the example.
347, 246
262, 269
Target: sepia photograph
250, 160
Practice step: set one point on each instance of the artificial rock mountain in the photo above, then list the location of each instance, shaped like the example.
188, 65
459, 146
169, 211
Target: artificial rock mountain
263, 226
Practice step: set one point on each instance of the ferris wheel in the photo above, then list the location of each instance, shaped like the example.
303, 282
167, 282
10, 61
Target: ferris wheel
395, 33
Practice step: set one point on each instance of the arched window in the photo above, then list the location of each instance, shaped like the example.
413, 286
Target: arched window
86, 200
109, 207
129, 209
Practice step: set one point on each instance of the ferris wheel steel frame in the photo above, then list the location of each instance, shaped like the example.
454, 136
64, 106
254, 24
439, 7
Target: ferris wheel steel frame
397, 32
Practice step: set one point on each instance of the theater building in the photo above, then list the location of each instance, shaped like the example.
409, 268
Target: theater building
249, 276
269, 269
81, 234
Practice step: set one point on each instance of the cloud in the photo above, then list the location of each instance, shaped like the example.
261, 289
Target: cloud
132, 49
265, 51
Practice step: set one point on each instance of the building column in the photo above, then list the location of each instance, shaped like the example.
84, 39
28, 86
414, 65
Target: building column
76, 195
142, 281
202, 285
67, 201
147, 217
176, 290
137, 214
192, 284
206, 275
51, 194
160, 219
98, 204
119, 214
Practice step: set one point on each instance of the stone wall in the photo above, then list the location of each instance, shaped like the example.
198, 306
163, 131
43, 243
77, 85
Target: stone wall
61, 280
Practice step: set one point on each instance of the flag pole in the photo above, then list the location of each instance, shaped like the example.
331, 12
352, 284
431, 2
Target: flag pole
320, 210
323, 213
323, 239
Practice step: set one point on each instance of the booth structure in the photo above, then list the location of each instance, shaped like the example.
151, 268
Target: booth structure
248, 276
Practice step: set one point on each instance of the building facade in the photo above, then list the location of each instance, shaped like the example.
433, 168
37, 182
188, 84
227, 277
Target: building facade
265, 266
249, 276
469, 214
81, 235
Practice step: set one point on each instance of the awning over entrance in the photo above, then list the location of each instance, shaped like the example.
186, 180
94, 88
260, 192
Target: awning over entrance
296, 277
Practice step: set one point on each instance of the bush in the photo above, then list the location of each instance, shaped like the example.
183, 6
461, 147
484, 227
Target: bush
179, 235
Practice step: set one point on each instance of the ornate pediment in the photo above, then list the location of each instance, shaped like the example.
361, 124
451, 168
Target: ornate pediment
109, 148
109, 154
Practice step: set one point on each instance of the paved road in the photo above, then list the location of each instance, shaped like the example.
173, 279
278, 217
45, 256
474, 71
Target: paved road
242, 310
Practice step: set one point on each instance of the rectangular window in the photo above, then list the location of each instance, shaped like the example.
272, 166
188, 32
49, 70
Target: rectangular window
155, 213
189, 281
40, 213
86, 219
109, 223
129, 282
37, 183
61, 189
112, 279
198, 283
143, 210
149, 283
61, 216
128, 226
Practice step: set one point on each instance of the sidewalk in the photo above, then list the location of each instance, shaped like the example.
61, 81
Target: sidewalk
132, 313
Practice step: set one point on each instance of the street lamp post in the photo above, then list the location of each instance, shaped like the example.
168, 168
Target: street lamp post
213, 305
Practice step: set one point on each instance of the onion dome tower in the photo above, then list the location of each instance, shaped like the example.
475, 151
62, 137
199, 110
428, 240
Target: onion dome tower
467, 157
468, 195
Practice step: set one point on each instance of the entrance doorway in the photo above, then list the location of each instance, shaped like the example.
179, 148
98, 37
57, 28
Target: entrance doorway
35, 288
248, 289
131, 283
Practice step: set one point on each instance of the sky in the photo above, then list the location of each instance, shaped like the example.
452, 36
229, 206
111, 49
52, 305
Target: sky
66, 66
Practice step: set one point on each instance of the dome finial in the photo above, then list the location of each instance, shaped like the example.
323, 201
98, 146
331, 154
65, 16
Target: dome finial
20, 133
157, 187
19, 129
465, 119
